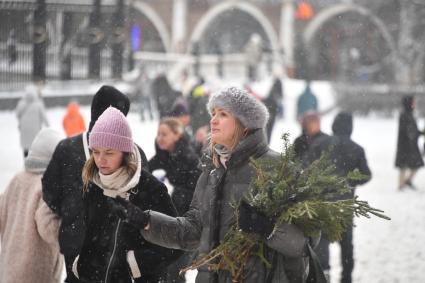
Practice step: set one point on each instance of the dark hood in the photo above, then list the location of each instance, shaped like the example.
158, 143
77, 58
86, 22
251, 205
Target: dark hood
343, 124
108, 96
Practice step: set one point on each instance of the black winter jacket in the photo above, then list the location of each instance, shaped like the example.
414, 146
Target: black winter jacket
344, 153
303, 143
347, 156
408, 153
182, 170
62, 191
114, 251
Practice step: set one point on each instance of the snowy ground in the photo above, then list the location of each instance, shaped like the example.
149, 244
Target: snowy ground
385, 251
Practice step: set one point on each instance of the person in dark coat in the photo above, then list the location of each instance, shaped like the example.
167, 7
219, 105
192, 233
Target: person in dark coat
273, 102
180, 111
237, 124
198, 98
308, 147
114, 251
347, 156
311, 133
62, 180
164, 95
408, 156
176, 156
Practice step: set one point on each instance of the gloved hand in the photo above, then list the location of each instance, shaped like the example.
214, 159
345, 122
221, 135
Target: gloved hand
252, 221
129, 212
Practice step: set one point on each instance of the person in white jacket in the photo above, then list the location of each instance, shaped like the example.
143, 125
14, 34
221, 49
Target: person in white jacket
28, 228
31, 115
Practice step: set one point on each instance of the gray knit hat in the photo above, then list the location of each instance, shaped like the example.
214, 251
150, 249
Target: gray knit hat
250, 112
41, 150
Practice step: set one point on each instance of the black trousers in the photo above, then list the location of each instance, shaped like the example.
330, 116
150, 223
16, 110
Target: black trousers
347, 254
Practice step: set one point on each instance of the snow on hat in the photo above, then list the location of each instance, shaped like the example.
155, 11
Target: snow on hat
41, 150
252, 113
108, 96
111, 130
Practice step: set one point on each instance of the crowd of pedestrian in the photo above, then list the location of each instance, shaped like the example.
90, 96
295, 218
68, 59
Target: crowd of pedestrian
90, 202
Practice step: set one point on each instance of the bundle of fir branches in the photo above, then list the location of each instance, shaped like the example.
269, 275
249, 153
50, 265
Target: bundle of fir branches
288, 192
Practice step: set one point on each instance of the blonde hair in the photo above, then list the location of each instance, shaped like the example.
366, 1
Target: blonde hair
174, 124
239, 133
90, 169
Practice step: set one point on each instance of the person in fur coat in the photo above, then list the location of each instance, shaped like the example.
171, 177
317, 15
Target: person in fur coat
28, 228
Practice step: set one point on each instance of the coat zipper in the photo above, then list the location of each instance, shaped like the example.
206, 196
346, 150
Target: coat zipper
113, 251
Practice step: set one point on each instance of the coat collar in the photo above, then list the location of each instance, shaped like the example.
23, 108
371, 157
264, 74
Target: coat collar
253, 145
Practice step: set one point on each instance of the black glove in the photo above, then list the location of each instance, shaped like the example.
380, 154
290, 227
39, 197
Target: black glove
129, 212
252, 221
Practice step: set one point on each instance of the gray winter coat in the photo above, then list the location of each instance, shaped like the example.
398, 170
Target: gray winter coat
286, 246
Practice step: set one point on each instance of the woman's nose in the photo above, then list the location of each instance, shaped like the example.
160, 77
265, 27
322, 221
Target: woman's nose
213, 120
102, 159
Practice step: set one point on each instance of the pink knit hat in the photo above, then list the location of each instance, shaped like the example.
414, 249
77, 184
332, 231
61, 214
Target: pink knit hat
111, 130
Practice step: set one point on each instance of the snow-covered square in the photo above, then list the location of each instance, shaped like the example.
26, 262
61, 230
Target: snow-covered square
385, 251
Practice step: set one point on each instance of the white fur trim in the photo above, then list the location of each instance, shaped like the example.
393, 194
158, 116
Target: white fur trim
132, 263
75, 267
86, 146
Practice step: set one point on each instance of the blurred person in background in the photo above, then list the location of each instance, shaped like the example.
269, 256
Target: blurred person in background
273, 102
306, 102
28, 228
31, 114
311, 132
73, 121
143, 94
180, 111
164, 94
200, 118
12, 52
408, 155
176, 156
346, 155
253, 56
62, 181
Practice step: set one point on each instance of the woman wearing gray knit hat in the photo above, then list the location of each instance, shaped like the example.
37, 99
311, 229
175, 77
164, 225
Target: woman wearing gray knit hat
112, 250
237, 135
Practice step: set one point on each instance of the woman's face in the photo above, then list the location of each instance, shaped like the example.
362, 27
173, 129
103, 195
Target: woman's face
107, 160
166, 138
223, 127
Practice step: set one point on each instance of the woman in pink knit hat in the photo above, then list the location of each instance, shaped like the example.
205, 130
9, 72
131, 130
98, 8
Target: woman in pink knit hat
113, 250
